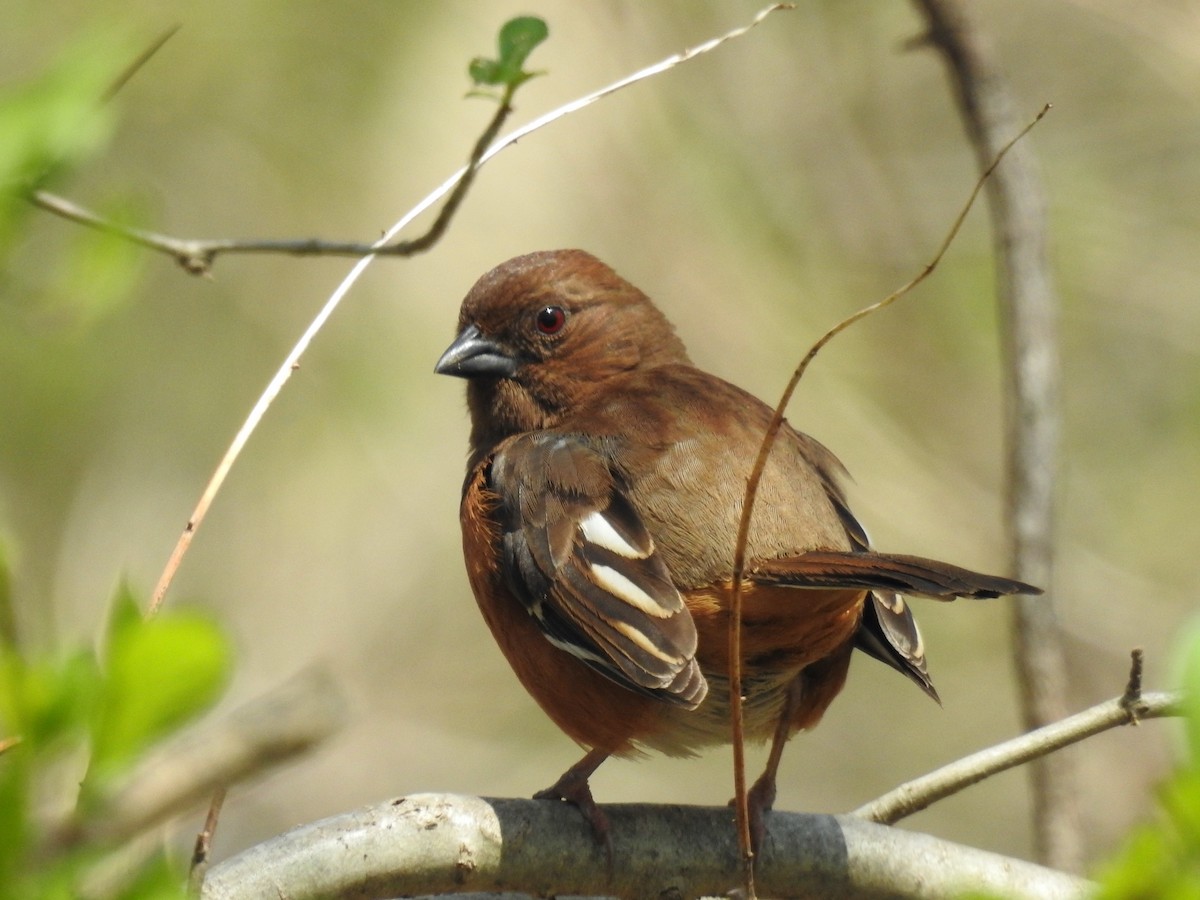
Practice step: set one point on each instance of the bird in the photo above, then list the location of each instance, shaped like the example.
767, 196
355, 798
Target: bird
606, 475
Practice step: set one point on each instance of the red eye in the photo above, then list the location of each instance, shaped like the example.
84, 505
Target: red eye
551, 320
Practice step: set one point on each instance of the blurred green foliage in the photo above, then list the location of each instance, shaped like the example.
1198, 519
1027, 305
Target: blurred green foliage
158, 674
517, 39
73, 718
93, 713
50, 123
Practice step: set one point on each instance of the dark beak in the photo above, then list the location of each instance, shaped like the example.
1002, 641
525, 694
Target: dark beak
472, 355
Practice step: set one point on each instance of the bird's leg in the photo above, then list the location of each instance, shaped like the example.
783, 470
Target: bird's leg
761, 796
572, 786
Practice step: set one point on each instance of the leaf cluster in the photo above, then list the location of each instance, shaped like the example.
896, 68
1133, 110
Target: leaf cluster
517, 39
76, 720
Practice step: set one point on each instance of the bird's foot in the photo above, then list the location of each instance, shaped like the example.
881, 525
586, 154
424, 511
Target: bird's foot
760, 800
573, 788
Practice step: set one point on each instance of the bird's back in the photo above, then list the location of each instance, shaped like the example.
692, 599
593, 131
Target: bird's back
685, 442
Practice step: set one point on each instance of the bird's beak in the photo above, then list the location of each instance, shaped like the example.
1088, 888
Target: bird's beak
473, 355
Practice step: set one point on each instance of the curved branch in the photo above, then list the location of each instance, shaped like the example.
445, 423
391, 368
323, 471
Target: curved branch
457, 183
921, 792
760, 465
448, 844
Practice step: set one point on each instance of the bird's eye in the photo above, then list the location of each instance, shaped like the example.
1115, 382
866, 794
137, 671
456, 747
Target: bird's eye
551, 319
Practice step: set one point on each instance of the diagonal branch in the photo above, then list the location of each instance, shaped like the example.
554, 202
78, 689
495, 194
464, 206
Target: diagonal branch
922, 792
284, 373
196, 255
455, 183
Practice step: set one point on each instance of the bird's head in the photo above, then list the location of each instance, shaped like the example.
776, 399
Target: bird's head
538, 333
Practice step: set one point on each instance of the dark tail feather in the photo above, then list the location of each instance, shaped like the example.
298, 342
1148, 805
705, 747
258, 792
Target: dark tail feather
887, 572
889, 633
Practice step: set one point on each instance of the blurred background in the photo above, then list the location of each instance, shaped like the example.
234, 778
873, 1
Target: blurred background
759, 194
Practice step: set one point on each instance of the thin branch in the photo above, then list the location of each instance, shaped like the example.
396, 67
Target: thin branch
441, 844
1133, 688
1028, 313
196, 255
203, 847
919, 793
180, 773
292, 361
138, 62
760, 464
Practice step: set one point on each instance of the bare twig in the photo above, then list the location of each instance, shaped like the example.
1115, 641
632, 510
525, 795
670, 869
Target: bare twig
921, 792
203, 846
138, 62
764, 450
439, 843
1132, 698
196, 255
180, 773
292, 362
1028, 308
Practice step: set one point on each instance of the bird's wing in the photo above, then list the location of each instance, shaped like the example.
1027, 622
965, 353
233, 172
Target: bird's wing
579, 557
886, 572
889, 631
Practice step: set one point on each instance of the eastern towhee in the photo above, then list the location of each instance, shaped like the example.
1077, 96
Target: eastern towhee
599, 516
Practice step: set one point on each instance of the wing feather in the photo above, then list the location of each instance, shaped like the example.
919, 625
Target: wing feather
579, 557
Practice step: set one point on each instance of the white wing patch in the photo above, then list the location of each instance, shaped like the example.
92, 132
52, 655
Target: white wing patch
644, 643
612, 581
574, 649
598, 531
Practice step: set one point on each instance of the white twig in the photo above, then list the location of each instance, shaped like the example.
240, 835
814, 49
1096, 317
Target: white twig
919, 793
292, 361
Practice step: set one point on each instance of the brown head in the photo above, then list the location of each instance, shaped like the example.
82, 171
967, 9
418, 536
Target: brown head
538, 333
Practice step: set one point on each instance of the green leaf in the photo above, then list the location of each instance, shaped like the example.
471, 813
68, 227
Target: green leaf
1180, 799
60, 117
158, 880
14, 812
44, 701
55, 120
159, 673
517, 39
124, 612
484, 71
1139, 864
